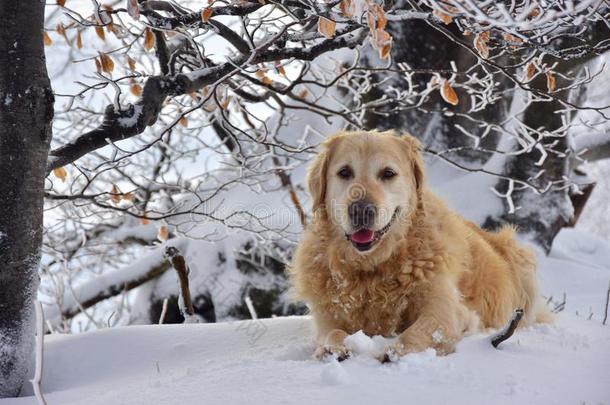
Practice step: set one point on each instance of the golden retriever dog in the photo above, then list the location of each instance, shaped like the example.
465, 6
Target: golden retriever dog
384, 255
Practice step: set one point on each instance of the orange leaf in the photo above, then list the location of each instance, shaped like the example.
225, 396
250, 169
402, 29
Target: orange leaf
100, 33
449, 94
346, 8
551, 82
136, 90
107, 63
445, 18
281, 70
47, 39
327, 27
149, 39
129, 196
144, 221
303, 94
511, 38
480, 43
530, 70
184, 121
385, 51
379, 15
79, 40
382, 41
61, 2
370, 20
61, 30
225, 103
61, 173
115, 194
206, 13
131, 63
98, 65
163, 233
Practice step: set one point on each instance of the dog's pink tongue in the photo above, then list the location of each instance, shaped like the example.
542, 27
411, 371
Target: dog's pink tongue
363, 236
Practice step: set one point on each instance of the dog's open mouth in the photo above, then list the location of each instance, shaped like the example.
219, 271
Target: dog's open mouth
364, 239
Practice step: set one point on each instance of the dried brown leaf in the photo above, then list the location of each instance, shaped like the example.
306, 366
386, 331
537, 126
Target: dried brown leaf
327, 27
149, 39
47, 39
61, 173
79, 40
115, 194
163, 234
61, 3
377, 11
61, 30
346, 7
449, 94
206, 13
136, 90
445, 18
131, 62
551, 81
530, 70
480, 44
106, 62
100, 33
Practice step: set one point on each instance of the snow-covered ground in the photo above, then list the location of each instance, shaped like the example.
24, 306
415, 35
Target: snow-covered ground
268, 361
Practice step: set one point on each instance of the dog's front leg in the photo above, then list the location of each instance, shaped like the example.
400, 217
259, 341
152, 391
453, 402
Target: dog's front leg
330, 339
441, 322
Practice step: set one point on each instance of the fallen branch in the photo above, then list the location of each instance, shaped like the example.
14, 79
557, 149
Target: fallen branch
508, 330
179, 264
107, 286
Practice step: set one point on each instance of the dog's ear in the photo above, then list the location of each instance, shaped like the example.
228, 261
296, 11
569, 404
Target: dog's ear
316, 178
413, 147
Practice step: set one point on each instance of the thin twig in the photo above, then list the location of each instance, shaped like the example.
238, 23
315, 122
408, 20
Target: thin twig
36, 382
163, 312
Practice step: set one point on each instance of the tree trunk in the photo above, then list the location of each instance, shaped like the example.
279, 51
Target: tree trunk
26, 111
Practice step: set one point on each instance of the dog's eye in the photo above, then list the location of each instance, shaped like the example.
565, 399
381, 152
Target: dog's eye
345, 172
387, 173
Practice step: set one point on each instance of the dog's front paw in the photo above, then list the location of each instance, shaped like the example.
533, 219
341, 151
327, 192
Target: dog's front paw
393, 353
337, 352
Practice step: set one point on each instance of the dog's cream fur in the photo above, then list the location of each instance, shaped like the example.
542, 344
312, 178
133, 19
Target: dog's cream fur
433, 277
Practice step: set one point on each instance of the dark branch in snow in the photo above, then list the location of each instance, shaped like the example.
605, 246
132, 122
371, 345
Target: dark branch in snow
179, 264
508, 330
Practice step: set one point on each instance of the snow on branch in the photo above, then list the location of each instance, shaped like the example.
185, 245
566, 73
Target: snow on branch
80, 297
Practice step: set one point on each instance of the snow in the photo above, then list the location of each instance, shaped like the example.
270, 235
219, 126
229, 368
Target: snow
269, 361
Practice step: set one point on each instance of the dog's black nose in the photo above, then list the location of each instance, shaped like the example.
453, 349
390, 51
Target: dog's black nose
362, 214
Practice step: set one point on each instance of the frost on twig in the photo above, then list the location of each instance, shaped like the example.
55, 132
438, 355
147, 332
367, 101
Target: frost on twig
508, 330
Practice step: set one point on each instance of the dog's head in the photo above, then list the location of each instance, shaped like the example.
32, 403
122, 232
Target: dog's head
367, 185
